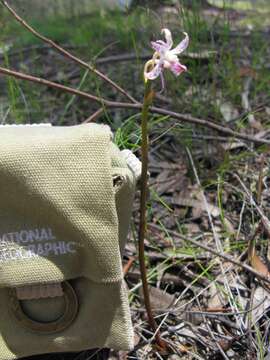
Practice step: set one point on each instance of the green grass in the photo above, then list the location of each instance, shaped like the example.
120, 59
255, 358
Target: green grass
94, 31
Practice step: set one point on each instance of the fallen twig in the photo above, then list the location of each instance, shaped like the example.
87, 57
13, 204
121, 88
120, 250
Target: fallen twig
52, 84
210, 125
94, 116
128, 265
212, 251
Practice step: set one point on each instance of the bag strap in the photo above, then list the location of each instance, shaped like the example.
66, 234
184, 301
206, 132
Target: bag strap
39, 291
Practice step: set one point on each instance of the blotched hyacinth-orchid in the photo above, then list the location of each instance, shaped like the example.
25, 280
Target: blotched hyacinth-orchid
165, 57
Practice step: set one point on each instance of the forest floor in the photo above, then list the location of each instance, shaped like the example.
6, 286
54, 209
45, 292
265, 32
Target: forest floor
204, 186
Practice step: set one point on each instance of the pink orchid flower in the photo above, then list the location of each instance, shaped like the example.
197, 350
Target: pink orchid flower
165, 57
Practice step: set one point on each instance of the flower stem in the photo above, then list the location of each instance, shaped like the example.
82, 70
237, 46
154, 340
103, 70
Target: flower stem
147, 101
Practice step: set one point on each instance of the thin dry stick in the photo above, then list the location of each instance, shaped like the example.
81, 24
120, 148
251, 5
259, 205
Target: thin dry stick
55, 85
212, 251
210, 332
66, 53
209, 124
115, 104
128, 265
94, 116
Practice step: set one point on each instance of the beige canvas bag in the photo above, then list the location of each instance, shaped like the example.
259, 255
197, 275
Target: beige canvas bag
66, 195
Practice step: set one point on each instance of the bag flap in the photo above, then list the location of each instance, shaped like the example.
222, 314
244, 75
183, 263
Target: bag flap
58, 217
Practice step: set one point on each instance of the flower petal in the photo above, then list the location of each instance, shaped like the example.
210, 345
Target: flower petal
181, 46
168, 37
159, 46
177, 68
153, 74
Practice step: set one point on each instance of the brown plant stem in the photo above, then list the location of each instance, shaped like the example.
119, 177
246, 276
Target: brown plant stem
153, 109
66, 53
147, 101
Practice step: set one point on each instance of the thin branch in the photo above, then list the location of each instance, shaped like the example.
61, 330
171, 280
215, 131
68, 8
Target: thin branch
210, 125
94, 116
55, 85
66, 53
215, 252
197, 121
121, 105
128, 265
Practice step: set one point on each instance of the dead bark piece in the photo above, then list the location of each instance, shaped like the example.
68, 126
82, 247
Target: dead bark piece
258, 265
256, 261
160, 299
217, 299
